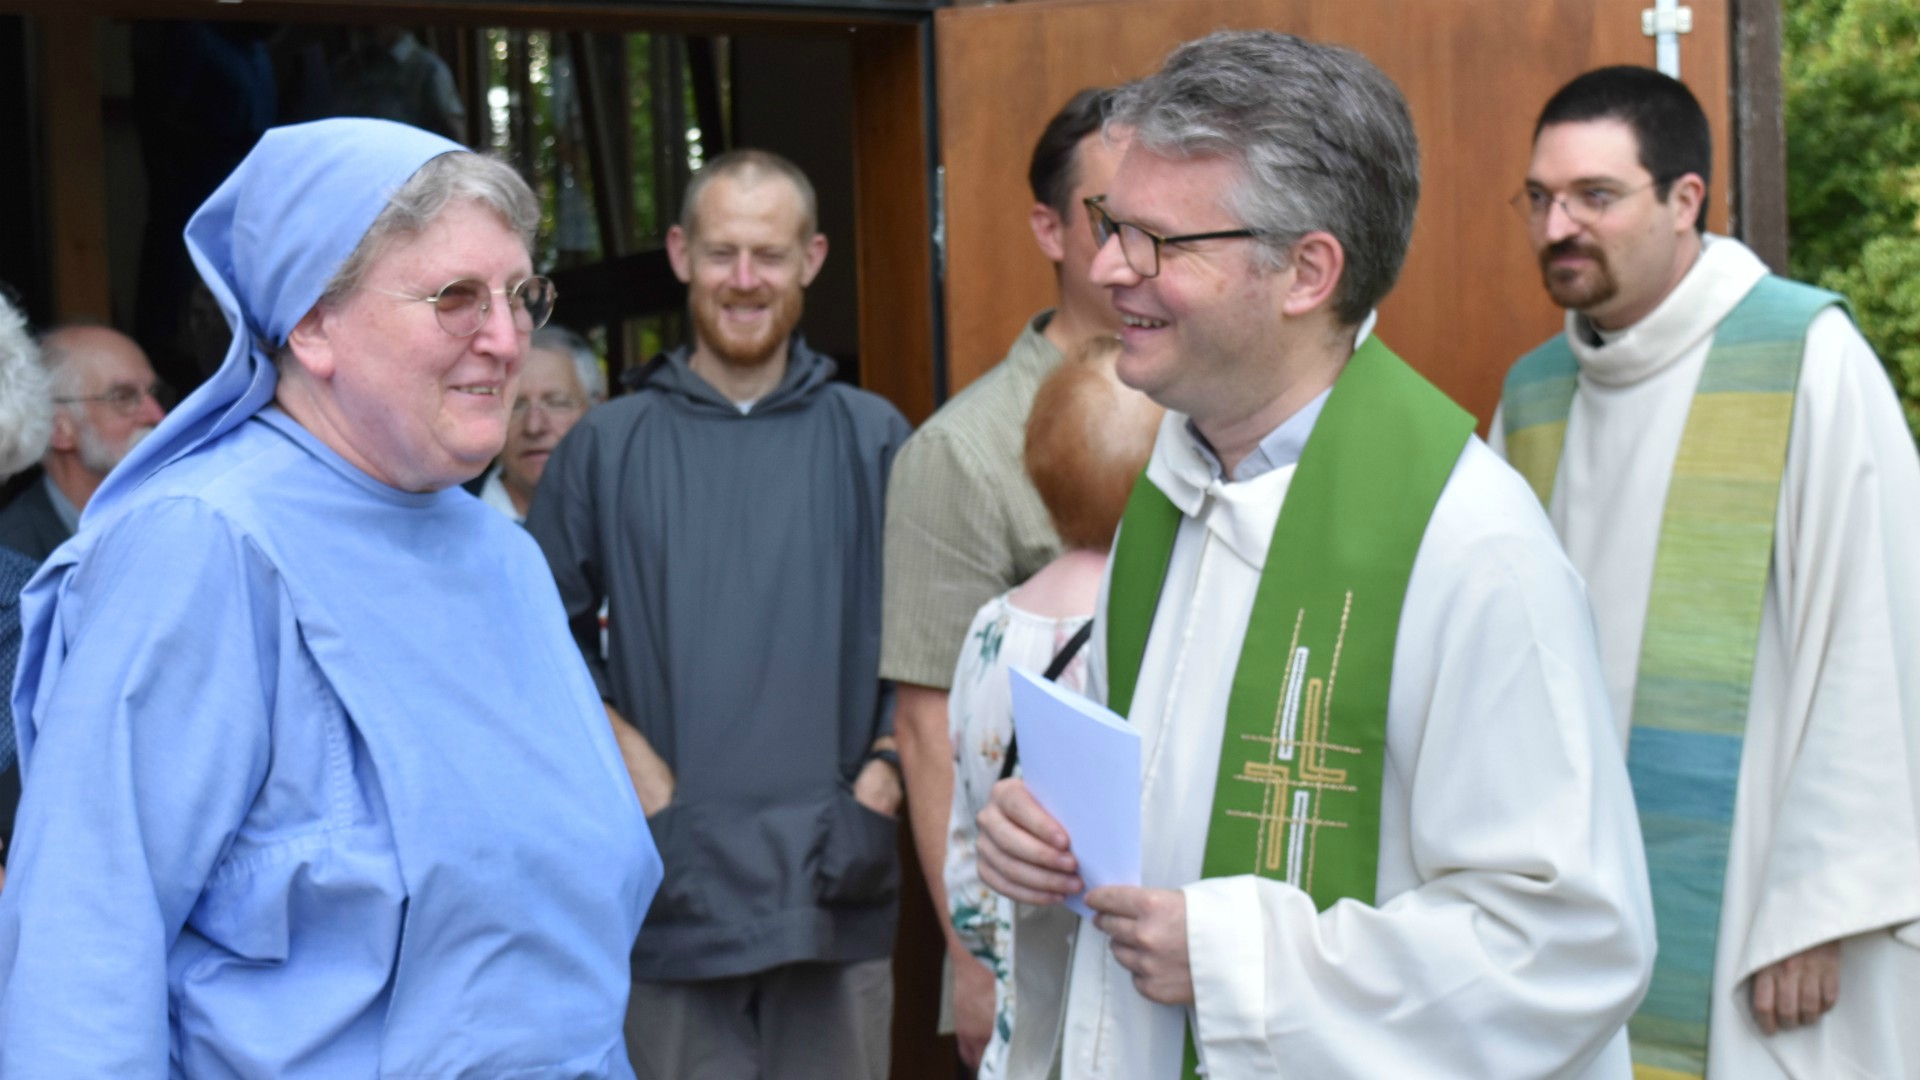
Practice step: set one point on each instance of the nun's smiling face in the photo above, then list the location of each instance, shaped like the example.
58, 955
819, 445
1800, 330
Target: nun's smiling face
410, 403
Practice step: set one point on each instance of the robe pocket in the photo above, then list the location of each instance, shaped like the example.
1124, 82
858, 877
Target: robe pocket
335, 894
680, 897
859, 855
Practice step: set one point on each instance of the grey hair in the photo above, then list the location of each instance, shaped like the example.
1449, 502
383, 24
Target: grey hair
751, 166
425, 196
26, 396
586, 363
1323, 138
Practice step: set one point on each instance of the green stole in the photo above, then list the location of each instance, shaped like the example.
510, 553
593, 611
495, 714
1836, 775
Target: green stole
1298, 796
1702, 630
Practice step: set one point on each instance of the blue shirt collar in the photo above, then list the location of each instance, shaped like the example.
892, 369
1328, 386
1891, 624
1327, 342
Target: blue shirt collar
1282, 445
63, 507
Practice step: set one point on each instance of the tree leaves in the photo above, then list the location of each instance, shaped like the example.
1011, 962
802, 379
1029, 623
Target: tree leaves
1852, 76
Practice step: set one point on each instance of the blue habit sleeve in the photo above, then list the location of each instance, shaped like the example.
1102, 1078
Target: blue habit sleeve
152, 743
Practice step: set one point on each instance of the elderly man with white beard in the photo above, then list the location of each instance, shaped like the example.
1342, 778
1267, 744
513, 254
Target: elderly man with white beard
109, 399
729, 513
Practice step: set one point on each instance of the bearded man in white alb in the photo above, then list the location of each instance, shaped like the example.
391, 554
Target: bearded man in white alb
1727, 465
1387, 830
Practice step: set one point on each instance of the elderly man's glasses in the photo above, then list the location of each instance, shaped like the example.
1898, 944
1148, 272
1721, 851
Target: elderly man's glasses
551, 404
126, 398
1140, 247
1583, 206
462, 306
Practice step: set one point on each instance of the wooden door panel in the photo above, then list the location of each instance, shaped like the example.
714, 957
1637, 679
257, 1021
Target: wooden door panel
1475, 74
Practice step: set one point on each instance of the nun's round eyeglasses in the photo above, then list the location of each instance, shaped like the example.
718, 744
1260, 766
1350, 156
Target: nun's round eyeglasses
462, 306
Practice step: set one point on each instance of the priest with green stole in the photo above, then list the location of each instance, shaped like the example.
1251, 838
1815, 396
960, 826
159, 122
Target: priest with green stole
1726, 462
1387, 829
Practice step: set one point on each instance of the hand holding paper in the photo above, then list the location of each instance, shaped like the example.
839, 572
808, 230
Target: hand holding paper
1023, 851
1082, 765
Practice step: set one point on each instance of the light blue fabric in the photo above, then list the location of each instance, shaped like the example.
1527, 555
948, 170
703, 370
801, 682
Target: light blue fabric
1281, 446
317, 784
266, 242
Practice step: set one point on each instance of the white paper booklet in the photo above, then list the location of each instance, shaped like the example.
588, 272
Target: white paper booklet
1082, 763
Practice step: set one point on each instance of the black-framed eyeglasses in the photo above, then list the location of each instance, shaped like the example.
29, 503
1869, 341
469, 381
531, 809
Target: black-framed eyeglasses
462, 306
1140, 247
126, 398
1584, 206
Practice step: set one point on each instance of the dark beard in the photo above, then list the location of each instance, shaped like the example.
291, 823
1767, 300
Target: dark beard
1589, 289
735, 352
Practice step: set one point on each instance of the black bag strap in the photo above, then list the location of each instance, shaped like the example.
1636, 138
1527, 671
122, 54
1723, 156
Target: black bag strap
1060, 661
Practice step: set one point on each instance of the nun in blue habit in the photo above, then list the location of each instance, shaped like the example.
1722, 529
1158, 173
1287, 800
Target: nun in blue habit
316, 782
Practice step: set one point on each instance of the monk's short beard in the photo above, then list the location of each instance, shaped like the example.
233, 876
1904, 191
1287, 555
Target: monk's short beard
1580, 290
711, 331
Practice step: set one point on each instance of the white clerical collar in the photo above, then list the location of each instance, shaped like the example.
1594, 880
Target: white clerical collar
1723, 274
1240, 513
1281, 446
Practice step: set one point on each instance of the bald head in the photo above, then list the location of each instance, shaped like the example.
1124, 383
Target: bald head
107, 399
750, 168
74, 353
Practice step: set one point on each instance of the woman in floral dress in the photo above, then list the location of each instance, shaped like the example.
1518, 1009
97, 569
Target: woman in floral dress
1087, 438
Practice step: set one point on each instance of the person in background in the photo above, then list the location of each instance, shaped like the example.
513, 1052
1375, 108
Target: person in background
388, 74
560, 380
1087, 439
107, 399
1728, 466
26, 419
965, 524
728, 512
317, 785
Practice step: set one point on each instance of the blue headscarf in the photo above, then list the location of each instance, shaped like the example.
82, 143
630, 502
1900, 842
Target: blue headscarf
267, 242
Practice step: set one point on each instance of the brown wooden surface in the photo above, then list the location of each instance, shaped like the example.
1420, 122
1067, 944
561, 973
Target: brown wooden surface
77, 161
1475, 74
893, 251
655, 16
1759, 212
893, 219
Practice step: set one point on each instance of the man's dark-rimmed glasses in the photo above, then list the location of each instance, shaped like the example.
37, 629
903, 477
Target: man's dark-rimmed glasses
1140, 247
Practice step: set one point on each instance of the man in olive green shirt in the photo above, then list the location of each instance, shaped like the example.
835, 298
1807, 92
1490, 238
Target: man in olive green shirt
964, 523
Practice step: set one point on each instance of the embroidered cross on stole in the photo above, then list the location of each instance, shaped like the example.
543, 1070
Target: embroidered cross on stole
1298, 796
1703, 628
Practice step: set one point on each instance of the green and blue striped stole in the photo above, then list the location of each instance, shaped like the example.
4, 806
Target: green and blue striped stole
1298, 797
1703, 627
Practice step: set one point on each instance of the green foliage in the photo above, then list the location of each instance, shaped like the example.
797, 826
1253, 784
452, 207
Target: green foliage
535, 118
1852, 73
1884, 286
